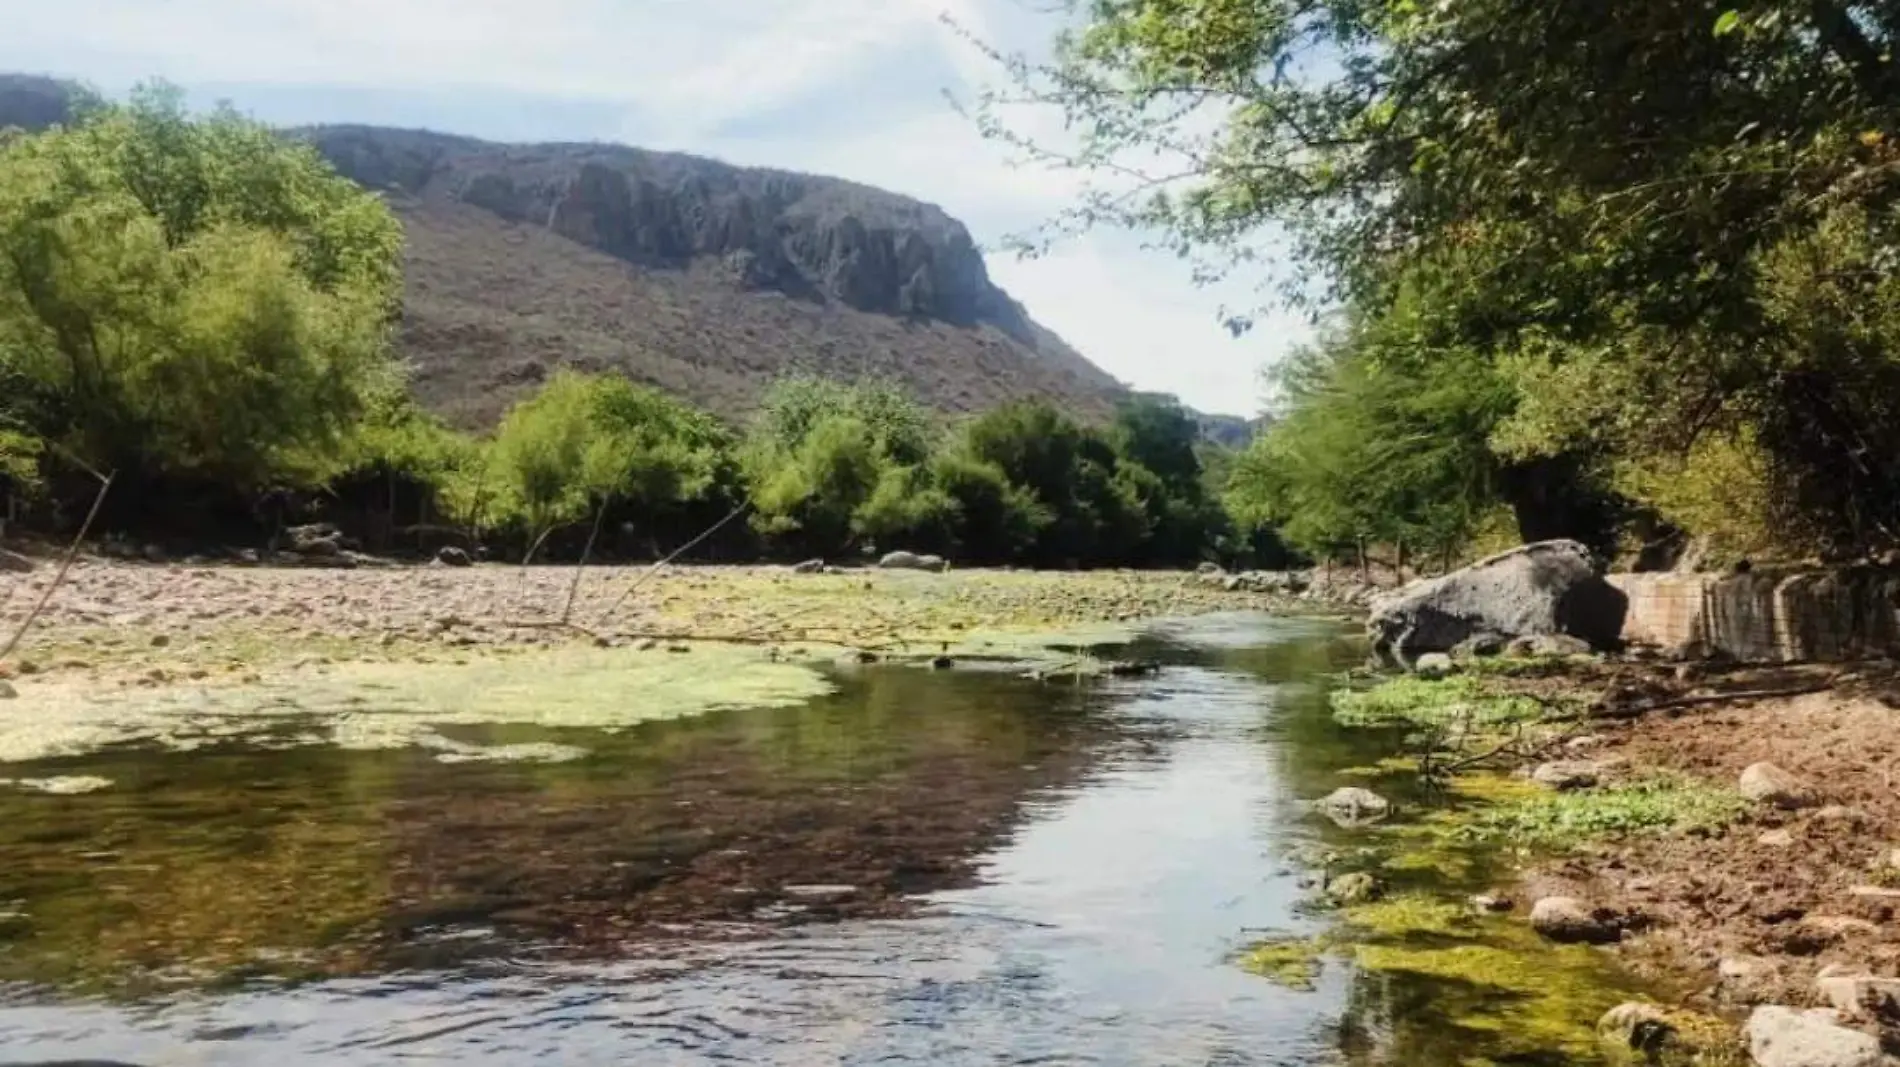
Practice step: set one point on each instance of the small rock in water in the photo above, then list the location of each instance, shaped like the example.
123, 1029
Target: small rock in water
1785, 1037
1433, 665
1767, 783
1492, 902
1570, 921
911, 561
1352, 804
1636, 1026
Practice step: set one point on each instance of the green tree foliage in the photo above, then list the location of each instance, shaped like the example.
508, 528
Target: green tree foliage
191, 297
585, 441
1093, 500
1652, 223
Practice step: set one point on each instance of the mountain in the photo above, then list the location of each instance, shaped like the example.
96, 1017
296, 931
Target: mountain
704, 279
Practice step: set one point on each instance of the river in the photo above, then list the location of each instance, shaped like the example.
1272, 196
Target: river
948, 867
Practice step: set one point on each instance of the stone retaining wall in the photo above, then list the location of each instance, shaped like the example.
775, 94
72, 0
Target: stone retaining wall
1766, 616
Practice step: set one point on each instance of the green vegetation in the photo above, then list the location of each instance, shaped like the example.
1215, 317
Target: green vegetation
1285, 961
203, 306
1651, 806
1443, 703
1620, 271
188, 301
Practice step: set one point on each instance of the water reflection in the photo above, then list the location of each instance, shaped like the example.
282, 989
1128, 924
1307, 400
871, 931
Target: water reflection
928, 867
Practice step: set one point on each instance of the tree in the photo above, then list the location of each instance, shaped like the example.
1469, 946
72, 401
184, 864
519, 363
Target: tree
1630, 212
185, 297
1095, 511
585, 441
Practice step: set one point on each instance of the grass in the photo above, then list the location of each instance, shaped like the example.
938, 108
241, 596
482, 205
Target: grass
1661, 804
1433, 704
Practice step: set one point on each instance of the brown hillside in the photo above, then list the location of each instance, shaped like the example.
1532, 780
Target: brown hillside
704, 279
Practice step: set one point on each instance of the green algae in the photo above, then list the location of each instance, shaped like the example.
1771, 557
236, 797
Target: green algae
1662, 804
399, 705
1408, 914
1290, 962
1432, 703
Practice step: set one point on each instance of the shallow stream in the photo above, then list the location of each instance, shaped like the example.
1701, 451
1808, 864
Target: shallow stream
942, 867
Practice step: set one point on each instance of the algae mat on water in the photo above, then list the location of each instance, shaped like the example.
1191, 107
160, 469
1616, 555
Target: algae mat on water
394, 705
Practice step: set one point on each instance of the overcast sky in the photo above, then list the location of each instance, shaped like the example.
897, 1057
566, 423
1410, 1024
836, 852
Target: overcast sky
853, 88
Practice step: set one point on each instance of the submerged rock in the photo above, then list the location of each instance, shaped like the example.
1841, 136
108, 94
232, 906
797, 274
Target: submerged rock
1784, 1037
1571, 921
1352, 804
1769, 784
1636, 1026
1551, 587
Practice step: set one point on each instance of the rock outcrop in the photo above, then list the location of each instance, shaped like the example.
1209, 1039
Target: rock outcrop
1548, 588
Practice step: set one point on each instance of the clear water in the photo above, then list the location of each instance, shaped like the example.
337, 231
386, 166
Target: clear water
1037, 875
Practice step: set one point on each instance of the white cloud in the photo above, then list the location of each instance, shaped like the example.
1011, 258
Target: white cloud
688, 74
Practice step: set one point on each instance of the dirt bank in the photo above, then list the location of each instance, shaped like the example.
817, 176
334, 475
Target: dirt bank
1780, 893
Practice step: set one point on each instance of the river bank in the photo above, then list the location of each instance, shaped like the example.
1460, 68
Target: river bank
1726, 887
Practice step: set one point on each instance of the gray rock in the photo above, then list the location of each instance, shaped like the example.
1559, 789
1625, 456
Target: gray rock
911, 561
1785, 1037
1479, 646
1352, 804
1434, 665
1208, 569
1768, 784
1358, 887
1232, 583
452, 556
1858, 994
14, 563
1636, 1026
1493, 903
1547, 588
810, 566
1775, 839
1541, 645
1570, 921
247, 556
1565, 775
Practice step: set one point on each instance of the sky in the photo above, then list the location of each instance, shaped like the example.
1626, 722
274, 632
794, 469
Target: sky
851, 88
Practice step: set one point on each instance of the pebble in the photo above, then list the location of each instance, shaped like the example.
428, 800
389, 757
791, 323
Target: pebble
1769, 784
1568, 920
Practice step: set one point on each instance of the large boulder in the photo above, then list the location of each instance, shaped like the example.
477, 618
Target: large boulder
1548, 588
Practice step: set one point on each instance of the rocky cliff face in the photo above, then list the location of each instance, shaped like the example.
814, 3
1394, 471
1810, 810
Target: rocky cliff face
803, 236
699, 277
